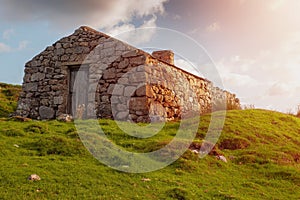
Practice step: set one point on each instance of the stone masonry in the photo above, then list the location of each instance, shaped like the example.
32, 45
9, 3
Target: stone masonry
93, 75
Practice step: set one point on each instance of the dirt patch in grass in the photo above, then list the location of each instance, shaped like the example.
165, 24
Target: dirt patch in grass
234, 143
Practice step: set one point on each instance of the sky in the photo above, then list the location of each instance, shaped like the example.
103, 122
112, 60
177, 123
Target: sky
254, 44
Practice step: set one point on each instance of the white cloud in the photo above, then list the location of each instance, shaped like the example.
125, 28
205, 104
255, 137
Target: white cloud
292, 44
143, 8
214, 27
118, 30
232, 79
4, 48
134, 35
23, 45
8, 33
268, 80
147, 30
279, 89
73, 13
188, 66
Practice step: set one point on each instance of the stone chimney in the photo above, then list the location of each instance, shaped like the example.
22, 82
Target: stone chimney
164, 55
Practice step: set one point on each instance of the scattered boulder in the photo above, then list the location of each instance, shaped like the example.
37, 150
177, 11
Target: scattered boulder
34, 177
65, 118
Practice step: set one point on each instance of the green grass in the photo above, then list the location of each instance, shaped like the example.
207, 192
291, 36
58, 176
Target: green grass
8, 98
262, 148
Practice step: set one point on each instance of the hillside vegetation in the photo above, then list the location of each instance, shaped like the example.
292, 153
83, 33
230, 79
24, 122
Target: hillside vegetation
262, 148
8, 98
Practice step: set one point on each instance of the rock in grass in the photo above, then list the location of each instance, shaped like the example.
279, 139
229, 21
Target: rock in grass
34, 177
195, 151
65, 118
222, 158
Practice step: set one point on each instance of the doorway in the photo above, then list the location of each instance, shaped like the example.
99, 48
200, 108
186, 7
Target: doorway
78, 91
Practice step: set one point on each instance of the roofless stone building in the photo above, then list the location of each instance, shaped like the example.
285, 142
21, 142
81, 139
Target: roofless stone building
94, 75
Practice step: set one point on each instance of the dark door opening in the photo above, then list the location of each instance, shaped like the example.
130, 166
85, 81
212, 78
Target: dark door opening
78, 91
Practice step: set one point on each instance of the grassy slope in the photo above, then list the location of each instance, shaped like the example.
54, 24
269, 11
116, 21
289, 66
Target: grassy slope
8, 98
263, 147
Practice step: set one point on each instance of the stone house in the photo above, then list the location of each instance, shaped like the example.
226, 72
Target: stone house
92, 75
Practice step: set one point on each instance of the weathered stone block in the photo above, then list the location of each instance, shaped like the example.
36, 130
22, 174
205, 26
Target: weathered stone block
59, 52
138, 77
133, 117
122, 107
109, 74
123, 64
107, 52
122, 115
65, 58
123, 81
36, 63
27, 78
30, 87
48, 70
141, 91
78, 50
138, 60
129, 91
131, 53
114, 99
120, 47
85, 44
109, 90
37, 76
138, 103
58, 45
109, 44
46, 112
118, 90
58, 100
61, 76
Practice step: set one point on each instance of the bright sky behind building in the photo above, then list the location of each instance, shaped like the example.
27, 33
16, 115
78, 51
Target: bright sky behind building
255, 44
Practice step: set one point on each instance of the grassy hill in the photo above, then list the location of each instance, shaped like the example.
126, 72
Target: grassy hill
8, 98
262, 148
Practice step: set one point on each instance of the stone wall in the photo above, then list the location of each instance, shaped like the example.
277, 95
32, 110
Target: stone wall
119, 93
164, 55
178, 93
141, 88
223, 99
45, 90
123, 83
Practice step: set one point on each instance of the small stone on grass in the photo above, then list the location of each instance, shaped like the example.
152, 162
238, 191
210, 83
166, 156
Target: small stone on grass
34, 177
